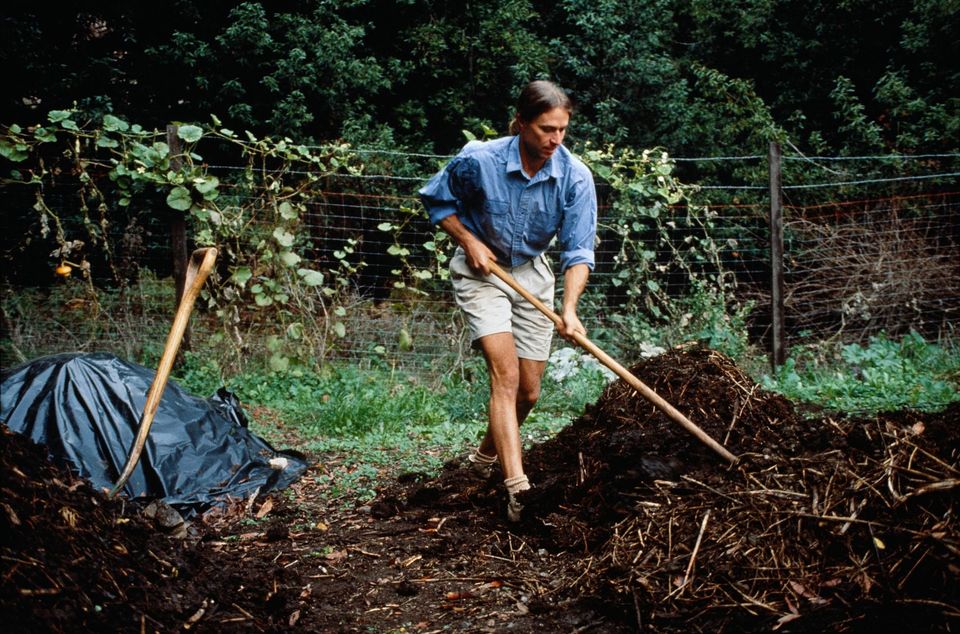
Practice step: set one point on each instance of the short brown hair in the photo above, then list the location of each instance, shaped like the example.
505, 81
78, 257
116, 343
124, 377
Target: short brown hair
536, 98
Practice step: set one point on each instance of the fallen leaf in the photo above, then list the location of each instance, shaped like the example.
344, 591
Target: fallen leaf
336, 556
265, 508
69, 516
783, 620
294, 617
11, 515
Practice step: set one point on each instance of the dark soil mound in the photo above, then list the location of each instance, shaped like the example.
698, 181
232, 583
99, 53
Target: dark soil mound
826, 523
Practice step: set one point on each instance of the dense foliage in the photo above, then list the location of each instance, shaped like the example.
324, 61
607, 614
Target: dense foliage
698, 77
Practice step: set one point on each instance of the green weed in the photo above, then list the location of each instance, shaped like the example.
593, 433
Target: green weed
884, 375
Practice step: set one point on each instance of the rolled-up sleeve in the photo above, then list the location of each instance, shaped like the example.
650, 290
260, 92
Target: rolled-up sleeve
578, 229
452, 187
437, 197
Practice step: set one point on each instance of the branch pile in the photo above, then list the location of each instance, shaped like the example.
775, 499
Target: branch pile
825, 522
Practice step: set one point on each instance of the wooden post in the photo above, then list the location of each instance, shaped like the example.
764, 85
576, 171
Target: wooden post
178, 238
778, 350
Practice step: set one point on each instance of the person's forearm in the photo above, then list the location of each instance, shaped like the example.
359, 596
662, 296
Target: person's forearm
574, 283
477, 253
458, 231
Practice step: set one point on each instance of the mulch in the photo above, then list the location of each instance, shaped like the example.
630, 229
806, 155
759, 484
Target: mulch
826, 523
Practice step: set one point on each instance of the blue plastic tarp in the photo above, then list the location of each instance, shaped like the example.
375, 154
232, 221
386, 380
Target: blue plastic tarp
86, 409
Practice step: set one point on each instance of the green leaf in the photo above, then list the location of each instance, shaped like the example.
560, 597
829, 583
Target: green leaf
288, 211
190, 133
340, 329
107, 142
206, 184
311, 278
295, 331
278, 362
653, 285
114, 124
283, 237
56, 116
69, 124
385, 226
263, 300
12, 152
216, 120
179, 198
290, 258
241, 275
44, 135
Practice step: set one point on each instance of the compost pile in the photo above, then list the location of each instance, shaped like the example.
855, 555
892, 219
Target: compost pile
826, 523
847, 523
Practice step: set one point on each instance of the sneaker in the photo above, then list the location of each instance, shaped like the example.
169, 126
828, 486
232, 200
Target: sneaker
514, 508
514, 487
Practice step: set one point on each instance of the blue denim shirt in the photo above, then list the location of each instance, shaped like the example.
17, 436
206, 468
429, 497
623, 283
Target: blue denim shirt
516, 216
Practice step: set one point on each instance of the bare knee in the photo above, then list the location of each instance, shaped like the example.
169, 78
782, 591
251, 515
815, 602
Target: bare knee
527, 397
505, 382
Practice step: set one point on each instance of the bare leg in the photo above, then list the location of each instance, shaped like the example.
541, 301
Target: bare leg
514, 390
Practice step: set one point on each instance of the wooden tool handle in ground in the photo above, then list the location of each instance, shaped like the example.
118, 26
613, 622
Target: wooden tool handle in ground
201, 263
618, 369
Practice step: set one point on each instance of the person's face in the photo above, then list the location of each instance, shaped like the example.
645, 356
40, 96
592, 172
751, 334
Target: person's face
542, 136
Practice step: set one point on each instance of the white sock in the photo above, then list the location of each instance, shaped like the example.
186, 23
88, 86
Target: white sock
516, 484
481, 458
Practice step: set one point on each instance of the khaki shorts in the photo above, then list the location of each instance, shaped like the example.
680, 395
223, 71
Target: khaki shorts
492, 307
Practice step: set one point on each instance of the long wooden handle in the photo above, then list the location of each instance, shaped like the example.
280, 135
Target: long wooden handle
201, 263
618, 369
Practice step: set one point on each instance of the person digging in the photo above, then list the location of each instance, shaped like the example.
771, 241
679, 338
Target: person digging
505, 201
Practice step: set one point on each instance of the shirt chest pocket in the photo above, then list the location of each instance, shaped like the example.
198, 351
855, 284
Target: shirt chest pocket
495, 217
542, 223
496, 207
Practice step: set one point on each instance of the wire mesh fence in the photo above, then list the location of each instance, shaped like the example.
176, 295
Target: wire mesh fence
885, 261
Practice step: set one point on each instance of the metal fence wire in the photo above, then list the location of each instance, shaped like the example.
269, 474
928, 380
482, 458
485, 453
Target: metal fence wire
887, 261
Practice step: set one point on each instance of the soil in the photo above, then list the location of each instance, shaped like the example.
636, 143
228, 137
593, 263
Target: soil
826, 523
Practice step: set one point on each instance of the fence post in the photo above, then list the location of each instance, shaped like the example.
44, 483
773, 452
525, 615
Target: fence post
778, 350
178, 238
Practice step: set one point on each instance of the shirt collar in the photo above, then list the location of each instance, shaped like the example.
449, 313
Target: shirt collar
550, 169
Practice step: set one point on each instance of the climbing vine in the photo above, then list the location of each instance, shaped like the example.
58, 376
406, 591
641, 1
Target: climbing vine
270, 276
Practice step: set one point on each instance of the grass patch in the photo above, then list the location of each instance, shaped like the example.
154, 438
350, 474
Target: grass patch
884, 375
376, 422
